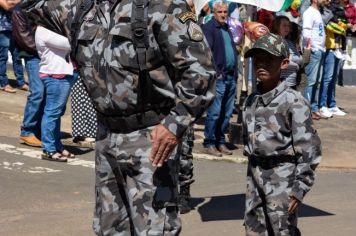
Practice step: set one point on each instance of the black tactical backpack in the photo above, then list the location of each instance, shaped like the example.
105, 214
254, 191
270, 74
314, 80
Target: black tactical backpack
140, 42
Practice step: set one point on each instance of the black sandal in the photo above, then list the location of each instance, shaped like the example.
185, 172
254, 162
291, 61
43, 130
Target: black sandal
53, 156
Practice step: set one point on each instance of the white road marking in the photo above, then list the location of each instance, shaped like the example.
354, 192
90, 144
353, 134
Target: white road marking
80, 162
36, 155
19, 167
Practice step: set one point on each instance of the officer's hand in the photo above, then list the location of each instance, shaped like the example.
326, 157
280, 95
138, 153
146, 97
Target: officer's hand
293, 205
163, 143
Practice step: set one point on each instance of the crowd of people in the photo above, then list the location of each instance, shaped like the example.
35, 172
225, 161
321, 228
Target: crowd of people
7, 44
51, 76
294, 57
316, 38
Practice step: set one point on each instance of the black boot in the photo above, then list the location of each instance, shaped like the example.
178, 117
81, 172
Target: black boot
184, 198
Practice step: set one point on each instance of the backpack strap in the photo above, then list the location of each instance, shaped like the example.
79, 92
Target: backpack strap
139, 24
139, 30
78, 18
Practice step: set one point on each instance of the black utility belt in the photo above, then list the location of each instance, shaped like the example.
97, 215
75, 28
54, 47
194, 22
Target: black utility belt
133, 122
271, 161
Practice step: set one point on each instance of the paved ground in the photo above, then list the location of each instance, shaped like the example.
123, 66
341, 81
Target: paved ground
41, 198
44, 198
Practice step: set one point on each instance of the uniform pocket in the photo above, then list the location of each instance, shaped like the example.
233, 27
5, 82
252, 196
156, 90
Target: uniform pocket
86, 38
122, 52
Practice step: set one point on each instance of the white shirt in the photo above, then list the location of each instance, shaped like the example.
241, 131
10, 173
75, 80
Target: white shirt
313, 28
53, 50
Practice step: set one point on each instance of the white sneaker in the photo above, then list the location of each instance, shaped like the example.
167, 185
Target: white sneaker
325, 113
336, 111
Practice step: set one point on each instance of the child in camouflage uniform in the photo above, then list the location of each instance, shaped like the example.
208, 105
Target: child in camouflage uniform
282, 146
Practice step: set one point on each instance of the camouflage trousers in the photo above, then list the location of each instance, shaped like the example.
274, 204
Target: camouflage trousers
276, 184
186, 159
132, 197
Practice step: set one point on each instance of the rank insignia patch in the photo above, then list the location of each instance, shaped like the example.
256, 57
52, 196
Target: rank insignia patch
185, 16
195, 32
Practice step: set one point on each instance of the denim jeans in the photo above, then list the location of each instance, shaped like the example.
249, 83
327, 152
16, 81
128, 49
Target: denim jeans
57, 92
314, 71
31, 124
220, 111
330, 74
6, 44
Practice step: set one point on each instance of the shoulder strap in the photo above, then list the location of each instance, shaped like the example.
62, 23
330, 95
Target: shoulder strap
139, 30
139, 24
83, 9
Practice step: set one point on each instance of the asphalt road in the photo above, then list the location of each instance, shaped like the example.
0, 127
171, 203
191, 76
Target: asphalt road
46, 198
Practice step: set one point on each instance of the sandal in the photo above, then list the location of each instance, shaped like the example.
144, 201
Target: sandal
53, 156
8, 89
67, 154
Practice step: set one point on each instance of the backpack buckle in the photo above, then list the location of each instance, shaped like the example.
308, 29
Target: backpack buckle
140, 29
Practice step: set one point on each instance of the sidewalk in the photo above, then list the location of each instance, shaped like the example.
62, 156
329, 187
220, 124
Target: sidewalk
337, 134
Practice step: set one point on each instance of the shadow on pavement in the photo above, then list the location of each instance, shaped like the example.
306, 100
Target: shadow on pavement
73, 149
78, 150
232, 207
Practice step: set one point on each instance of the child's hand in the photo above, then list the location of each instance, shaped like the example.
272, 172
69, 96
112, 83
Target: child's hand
293, 205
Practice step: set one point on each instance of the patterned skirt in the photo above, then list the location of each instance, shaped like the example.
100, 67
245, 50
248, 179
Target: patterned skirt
84, 121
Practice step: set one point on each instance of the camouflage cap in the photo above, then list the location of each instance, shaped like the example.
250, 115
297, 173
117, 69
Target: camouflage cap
271, 43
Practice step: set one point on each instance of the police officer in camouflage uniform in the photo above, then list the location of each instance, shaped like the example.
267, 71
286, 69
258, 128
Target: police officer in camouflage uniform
282, 146
143, 111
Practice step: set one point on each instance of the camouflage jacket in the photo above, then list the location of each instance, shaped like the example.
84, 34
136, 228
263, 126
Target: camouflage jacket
178, 58
279, 123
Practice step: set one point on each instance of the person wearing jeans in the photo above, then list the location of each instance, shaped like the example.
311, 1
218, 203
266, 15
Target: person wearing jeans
58, 76
31, 124
6, 45
57, 92
23, 35
221, 43
327, 100
314, 35
219, 113
327, 86
314, 70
